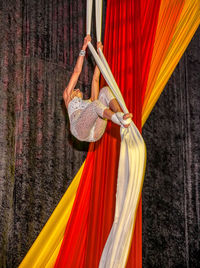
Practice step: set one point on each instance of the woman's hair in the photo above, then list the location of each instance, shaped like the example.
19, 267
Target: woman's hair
85, 89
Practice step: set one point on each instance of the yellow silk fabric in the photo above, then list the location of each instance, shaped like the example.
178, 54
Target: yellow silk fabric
44, 251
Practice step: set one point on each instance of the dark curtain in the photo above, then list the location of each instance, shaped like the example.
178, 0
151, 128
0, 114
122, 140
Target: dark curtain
39, 44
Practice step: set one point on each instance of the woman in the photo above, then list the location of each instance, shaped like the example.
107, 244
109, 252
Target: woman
88, 118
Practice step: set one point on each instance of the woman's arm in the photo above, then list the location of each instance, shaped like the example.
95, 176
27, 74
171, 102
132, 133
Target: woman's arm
95, 79
77, 70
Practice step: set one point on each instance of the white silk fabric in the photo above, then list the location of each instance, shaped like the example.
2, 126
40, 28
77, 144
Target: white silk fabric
131, 166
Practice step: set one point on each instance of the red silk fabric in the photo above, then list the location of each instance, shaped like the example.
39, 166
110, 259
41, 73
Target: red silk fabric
128, 44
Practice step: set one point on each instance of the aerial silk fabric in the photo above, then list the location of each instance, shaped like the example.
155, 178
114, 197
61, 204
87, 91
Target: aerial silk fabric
117, 246
130, 174
45, 249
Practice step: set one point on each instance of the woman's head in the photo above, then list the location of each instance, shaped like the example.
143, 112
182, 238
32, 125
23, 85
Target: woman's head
76, 93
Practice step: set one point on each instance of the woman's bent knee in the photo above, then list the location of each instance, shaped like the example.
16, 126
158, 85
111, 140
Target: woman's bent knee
106, 96
104, 91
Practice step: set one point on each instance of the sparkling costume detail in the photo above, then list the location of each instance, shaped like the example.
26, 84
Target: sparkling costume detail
86, 116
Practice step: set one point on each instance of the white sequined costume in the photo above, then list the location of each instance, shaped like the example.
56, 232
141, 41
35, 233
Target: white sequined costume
86, 116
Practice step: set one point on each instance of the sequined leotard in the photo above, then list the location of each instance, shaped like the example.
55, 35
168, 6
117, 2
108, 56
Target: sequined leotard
86, 116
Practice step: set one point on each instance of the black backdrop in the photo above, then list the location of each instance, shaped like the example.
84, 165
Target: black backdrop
171, 214
40, 41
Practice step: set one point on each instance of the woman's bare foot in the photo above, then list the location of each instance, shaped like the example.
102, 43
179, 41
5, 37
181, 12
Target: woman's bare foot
118, 118
122, 119
126, 116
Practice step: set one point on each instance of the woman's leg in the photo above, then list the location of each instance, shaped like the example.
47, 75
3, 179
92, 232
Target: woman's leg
108, 99
92, 122
90, 118
94, 117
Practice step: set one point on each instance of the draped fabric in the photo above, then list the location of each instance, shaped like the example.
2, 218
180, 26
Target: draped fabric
169, 15
37, 160
127, 12
186, 27
131, 169
129, 82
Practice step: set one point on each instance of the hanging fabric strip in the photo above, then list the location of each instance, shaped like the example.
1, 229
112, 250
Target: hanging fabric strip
130, 173
89, 17
98, 13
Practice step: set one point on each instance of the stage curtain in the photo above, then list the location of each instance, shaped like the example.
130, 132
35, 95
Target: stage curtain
102, 190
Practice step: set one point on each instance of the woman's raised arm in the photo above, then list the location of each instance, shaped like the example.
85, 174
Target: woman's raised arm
95, 79
77, 70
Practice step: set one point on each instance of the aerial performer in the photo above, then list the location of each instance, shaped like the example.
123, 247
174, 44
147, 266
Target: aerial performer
88, 118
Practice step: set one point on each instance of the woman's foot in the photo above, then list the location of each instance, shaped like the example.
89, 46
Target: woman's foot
126, 116
125, 119
122, 119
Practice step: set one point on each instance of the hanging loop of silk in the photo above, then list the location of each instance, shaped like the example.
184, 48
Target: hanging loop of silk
131, 165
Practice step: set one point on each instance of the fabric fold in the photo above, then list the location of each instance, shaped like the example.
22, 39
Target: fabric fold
171, 52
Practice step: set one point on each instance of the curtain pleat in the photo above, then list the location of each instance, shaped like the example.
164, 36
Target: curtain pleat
149, 27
